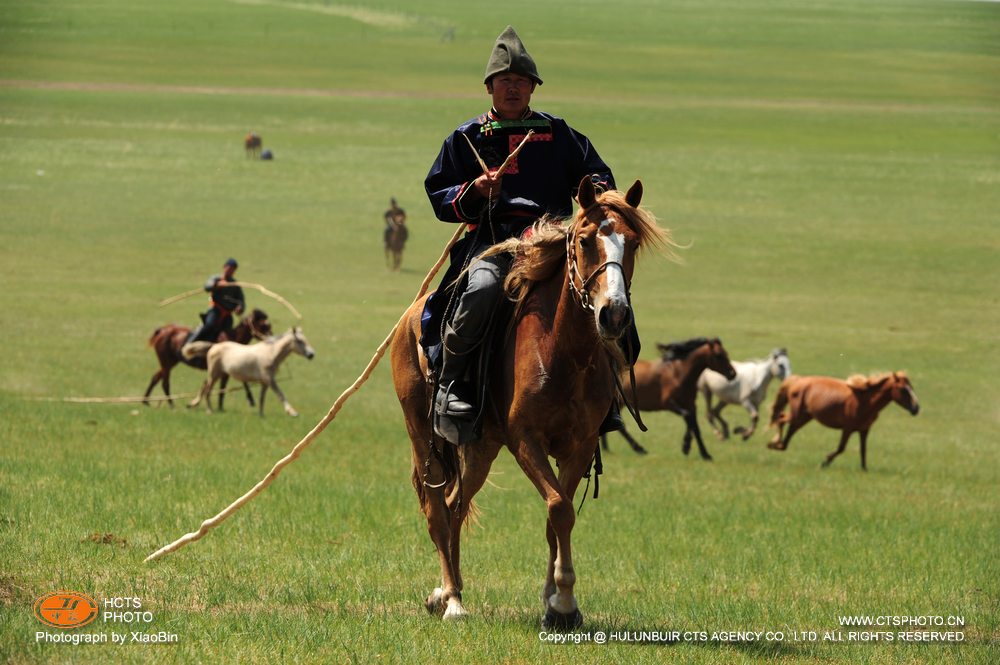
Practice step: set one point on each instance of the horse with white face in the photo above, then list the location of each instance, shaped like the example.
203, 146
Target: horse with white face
253, 364
748, 389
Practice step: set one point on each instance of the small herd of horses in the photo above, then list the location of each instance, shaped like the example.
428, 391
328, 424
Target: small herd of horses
555, 375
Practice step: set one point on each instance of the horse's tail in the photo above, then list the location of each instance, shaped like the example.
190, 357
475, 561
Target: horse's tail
152, 338
780, 402
195, 350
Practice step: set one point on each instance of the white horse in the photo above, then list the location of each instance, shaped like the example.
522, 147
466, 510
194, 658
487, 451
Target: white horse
748, 389
253, 364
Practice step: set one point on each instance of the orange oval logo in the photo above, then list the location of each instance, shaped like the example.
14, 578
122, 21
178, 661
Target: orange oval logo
65, 609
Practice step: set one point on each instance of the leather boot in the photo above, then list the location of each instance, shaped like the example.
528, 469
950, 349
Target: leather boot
613, 421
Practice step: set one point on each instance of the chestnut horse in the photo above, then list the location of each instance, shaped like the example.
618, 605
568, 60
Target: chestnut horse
671, 384
168, 340
850, 406
552, 383
252, 144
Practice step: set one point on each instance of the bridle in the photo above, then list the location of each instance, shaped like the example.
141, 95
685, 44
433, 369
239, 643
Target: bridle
254, 331
581, 294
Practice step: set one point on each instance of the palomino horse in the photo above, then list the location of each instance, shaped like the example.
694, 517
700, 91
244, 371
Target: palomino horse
395, 241
748, 389
253, 364
671, 384
552, 384
850, 406
252, 144
168, 340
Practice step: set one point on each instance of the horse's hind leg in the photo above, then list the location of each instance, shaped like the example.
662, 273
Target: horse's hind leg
844, 436
246, 389
223, 382
431, 482
632, 442
152, 384
754, 418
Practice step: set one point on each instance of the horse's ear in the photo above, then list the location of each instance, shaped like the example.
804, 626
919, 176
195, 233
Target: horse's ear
634, 194
586, 194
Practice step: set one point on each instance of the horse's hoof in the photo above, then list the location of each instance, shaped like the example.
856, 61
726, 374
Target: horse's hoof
824, 464
435, 602
641, 451
558, 621
707, 458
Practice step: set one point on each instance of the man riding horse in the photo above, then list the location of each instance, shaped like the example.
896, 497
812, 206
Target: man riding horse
227, 298
395, 217
541, 180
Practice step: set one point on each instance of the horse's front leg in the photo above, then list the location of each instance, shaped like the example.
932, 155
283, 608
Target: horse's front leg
562, 611
863, 435
844, 436
288, 407
692, 429
714, 415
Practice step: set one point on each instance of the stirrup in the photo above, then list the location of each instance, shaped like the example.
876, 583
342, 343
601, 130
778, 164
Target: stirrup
456, 429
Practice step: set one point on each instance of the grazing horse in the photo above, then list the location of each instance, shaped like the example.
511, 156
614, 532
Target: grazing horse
252, 144
253, 364
671, 384
850, 406
168, 340
551, 385
748, 389
395, 241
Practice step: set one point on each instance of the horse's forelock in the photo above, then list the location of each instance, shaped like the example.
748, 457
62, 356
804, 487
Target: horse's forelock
640, 220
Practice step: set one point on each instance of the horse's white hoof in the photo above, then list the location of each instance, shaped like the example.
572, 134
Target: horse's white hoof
435, 601
455, 611
292, 412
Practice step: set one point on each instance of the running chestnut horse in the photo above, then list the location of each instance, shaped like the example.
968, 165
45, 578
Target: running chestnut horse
168, 340
671, 384
552, 383
850, 406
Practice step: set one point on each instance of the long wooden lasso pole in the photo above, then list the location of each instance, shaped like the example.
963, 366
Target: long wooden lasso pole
251, 285
311, 436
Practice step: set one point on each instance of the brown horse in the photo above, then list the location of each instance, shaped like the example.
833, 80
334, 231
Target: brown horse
168, 340
395, 241
850, 406
252, 144
552, 384
671, 384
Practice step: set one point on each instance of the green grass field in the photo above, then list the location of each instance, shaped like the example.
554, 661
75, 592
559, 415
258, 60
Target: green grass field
833, 169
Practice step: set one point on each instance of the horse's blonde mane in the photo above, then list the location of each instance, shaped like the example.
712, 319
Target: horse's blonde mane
860, 381
540, 253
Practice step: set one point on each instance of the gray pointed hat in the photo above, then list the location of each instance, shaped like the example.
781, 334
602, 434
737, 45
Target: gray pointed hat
509, 55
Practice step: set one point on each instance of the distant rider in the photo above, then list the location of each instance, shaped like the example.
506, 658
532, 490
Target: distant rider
227, 299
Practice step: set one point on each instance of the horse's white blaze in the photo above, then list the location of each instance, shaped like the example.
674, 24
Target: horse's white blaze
614, 251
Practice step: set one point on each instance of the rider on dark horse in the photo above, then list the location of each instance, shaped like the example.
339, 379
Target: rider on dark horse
542, 180
394, 218
227, 299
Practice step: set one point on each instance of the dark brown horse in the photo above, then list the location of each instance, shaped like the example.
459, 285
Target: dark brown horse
552, 384
671, 384
168, 340
252, 144
395, 242
850, 406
